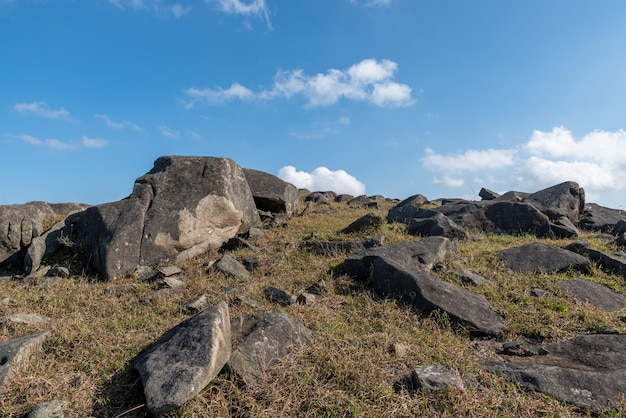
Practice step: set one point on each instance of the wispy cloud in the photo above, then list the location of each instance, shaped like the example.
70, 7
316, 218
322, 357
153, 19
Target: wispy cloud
371, 2
322, 179
179, 11
41, 109
156, 6
254, 8
118, 125
58, 145
370, 81
169, 132
596, 161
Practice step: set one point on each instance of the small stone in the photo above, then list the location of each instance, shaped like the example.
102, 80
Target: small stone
169, 271
244, 300
280, 296
435, 378
7, 301
306, 298
57, 271
24, 319
172, 282
198, 303
255, 233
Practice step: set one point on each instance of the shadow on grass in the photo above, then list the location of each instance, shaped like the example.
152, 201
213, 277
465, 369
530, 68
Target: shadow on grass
121, 396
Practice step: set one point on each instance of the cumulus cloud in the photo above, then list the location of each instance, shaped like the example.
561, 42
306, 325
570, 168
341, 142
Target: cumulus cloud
370, 81
41, 109
93, 142
118, 125
596, 161
169, 132
322, 179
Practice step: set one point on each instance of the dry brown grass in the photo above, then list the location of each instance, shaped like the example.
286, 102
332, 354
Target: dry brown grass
349, 372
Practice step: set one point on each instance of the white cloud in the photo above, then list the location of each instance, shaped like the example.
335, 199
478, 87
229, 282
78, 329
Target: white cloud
448, 181
344, 120
169, 132
597, 162
93, 142
41, 109
219, 96
471, 160
322, 179
118, 125
370, 81
179, 11
256, 8
51, 143
371, 2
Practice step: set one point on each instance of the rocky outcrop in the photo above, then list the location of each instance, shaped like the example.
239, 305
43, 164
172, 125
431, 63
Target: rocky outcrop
538, 257
260, 341
588, 371
20, 224
392, 272
600, 218
180, 209
185, 359
271, 194
565, 199
431, 223
406, 210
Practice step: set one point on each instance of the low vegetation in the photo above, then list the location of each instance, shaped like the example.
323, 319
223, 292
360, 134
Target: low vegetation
352, 371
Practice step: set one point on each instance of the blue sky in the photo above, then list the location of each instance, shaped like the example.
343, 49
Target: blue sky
391, 97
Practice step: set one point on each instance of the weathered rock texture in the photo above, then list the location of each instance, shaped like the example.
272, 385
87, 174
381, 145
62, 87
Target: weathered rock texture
180, 209
272, 194
395, 271
588, 371
16, 353
185, 359
539, 257
20, 224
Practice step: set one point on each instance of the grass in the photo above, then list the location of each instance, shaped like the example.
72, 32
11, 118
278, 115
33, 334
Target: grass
349, 372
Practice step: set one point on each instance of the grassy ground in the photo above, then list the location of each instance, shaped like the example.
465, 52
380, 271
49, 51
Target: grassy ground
349, 372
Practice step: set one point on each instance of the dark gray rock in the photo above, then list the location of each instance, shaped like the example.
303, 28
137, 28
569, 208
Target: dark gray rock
435, 378
407, 209
595, 294
611, 263
512, 196
360, 201
178, 210
368, 222
260, 341
564, 228
17, 353
600, 218
486, 194
436, 225
271, 193
498, 217
394, 274
538, 257
229, 265
588, 371
423, 254
344, 198
185, 359
565, 199
471, 278
333, 248
280, 296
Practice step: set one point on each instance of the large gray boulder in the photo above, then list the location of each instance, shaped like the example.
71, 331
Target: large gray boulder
600, 218
271, 194
565, 199
393, 273
260, 341
20, 224
437, 224
407, 209
17, 353
595, 294
180, 209
185, 359
538, 257
588, 371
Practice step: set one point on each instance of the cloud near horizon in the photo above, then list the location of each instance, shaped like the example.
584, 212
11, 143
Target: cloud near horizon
57, 145
369, 80
322, 179
597, 162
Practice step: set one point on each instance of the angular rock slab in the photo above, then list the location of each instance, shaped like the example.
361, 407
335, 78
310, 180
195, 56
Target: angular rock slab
588, 371
394, 274
272, 194
538, 257
595, 294
260, 341
185, 359
15, 353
